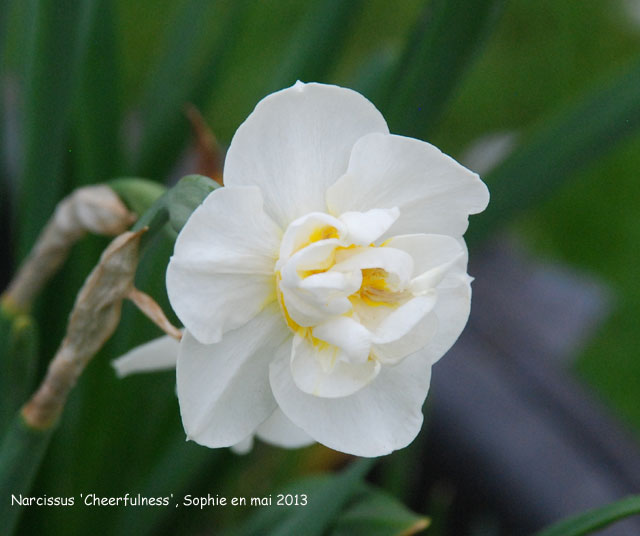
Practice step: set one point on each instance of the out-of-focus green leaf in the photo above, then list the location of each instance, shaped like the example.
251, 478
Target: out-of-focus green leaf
560, 147
376, 513
594, 519
57, 48
189, 71
96, 148
316, 43
326, 496
18, 363
180, 465
440, 49
137, 193
338, 505
370, 76
21, 452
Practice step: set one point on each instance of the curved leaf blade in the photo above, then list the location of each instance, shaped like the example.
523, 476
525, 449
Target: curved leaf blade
594, 519
560, 147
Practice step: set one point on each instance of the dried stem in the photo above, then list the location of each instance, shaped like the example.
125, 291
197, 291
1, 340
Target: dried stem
208, 150
96, 209
93, 320
150, 308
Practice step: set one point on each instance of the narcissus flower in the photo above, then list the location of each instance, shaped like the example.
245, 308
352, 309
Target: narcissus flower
321, 283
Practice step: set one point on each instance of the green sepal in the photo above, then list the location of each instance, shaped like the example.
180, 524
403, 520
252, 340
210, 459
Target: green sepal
137, 193
159, 206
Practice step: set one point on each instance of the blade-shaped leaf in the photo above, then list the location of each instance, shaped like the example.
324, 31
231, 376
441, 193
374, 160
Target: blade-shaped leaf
21, 451
325, 497
560, 147
189, 71
376, 513
315, 44
440, 49
59, 41
594, 519
18, 363
181, 464
96, 148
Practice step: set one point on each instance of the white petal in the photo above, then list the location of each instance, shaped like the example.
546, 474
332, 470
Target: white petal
323, 371
158, 354
319, 255
223, 388
222, 270
308, 311
244, 446
399, 331
452, 310
413, 340
403, 319
434, 193
397, 263
280, 431
382, 417
429, 251
366, 227
348, 335
309, 300
299, 232
296, 143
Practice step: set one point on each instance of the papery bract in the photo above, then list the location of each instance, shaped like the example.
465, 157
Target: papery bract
319, 286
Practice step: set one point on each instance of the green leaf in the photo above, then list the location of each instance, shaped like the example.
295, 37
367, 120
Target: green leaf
374, 72
21, 452
181, 464
18, 363
57, 48
594, 519
316, 43
559, 147
376, 513
191, 68
441, 48
96, 114
326, 496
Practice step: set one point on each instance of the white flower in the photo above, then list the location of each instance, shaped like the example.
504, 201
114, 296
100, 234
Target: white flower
320, 285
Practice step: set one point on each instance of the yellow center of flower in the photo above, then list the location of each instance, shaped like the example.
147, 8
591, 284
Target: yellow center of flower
374, 290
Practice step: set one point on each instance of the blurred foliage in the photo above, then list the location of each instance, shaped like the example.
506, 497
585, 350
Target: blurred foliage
101, 88
594, 520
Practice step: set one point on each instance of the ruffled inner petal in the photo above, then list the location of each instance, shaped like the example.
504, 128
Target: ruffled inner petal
324, 370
